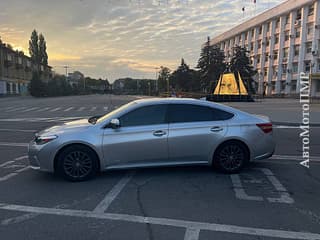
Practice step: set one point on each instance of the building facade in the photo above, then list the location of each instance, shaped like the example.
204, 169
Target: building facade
16, 71
282, 42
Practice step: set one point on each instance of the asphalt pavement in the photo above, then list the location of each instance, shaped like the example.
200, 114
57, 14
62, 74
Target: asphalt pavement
276, 198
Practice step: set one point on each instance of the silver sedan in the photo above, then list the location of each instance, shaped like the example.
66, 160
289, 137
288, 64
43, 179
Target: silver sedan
154, 132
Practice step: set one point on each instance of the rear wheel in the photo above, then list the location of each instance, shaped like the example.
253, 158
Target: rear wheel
231, 156
77, 163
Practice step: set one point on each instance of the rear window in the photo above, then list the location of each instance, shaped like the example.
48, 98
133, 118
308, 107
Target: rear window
194, 113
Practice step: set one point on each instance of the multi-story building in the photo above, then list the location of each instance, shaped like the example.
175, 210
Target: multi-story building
16, 71
283, 42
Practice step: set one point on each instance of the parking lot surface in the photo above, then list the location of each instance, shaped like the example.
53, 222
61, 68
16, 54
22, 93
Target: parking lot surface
275, 198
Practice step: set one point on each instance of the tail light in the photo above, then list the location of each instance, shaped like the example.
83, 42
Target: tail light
265, 127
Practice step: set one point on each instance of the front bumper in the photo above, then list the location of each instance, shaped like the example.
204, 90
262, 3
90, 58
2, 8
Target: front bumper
40, 157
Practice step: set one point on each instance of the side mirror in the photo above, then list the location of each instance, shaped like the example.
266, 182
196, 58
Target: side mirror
114, 123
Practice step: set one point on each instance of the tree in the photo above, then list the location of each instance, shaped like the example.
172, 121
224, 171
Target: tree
240, 62
211, 65
34, 49
38, 50
43, 56
36, 86
164, 75
182, 78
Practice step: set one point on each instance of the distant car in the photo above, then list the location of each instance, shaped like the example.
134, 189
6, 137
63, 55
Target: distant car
154, 132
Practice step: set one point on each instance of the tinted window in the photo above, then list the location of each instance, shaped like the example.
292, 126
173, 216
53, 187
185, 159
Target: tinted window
193, 113
147, 115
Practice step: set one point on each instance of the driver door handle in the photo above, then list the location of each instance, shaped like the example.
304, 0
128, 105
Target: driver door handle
159, 133
216, 129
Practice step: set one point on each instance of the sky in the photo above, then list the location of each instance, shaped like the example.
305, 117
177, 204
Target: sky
122, 38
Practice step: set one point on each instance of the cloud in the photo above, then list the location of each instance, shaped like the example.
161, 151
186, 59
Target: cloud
116, 38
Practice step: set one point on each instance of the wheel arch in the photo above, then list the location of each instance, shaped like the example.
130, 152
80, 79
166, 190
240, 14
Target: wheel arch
56, 156
238, 140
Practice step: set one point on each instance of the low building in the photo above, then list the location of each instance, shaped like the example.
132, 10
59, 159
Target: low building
75, 78
16, 71
283, 42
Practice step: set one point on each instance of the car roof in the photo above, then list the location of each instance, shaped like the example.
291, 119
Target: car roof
172, 100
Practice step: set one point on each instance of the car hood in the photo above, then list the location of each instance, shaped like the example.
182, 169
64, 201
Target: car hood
77, 125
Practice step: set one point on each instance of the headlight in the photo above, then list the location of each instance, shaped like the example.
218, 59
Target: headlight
40, 140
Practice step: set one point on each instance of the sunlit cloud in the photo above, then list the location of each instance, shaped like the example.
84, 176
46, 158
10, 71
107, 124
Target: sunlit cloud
120, 38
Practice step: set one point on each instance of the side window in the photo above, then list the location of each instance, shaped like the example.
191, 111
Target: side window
179, 113
220, 115
148, 115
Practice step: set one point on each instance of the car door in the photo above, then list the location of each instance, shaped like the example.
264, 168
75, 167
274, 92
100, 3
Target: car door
141, 138
194, 131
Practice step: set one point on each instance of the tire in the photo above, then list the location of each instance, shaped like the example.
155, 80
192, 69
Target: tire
77, 163
230, 157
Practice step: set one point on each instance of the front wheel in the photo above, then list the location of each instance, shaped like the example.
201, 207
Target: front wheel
231, 156
77, 163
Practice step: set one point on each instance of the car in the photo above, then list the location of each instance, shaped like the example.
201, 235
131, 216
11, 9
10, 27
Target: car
154, 132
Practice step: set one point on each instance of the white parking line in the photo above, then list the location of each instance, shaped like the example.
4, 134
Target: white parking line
263, 232
105, 108
55, 109
68, 109
284, 194
192, 234
43, 109
239, 189
114, 192
93, 109
30, 109
241, 193
9, 144
17, 130
16, 109
80, 109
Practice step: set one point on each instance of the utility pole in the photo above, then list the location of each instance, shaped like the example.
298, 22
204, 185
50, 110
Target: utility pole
66, 67
157, 83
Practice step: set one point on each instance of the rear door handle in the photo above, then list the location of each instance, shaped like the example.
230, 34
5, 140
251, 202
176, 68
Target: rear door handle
216, 129
159, 133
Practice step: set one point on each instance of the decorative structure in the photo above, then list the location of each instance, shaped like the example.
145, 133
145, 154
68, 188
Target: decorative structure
230, 89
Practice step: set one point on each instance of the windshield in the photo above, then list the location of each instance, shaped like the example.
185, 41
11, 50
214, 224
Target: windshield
114, 112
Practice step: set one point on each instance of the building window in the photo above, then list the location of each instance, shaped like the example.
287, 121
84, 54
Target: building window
275, 55
297, 33
298, 14
295, 67
252, 32
296, 50
311, 10
284, 69
268, 27
309, 29
307, 66
259, 44
278, 23
309, 47
275, 71
260, 30
285, 52
265, 72
267, 42
276, 39
286, 36
266, 57
246, 36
